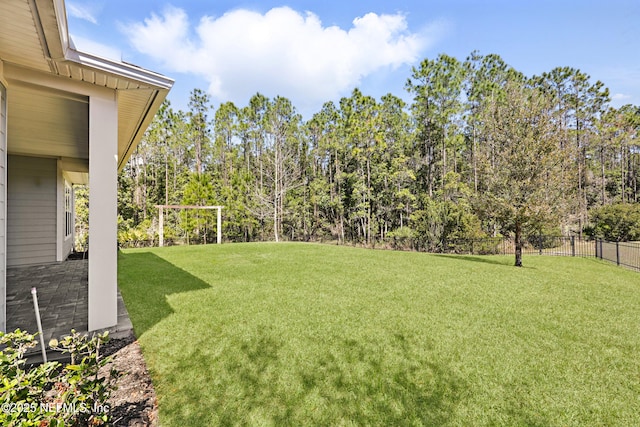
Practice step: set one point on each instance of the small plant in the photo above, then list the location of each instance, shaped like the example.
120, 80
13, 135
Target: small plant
53, 394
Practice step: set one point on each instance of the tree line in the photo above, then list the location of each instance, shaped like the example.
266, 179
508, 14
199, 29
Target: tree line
481, 150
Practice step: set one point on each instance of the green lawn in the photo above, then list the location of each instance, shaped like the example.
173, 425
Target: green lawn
305, 334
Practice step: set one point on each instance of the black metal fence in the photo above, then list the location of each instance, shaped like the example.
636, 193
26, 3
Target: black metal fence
542, 245
626, 254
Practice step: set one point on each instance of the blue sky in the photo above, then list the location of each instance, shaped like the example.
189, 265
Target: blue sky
316, 51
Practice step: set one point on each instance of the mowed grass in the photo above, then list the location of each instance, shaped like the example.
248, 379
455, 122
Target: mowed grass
306, 334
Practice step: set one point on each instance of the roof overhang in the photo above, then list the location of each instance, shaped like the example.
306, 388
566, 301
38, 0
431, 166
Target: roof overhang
47, 74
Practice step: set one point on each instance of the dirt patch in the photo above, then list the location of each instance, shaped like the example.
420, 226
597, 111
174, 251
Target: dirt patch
134, 403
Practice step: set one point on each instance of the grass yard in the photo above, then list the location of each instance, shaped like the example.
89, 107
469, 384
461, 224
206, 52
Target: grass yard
306, 334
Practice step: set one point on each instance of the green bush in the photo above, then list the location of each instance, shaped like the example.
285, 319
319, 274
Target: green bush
53, 394
402, 238
143, 235
619, 222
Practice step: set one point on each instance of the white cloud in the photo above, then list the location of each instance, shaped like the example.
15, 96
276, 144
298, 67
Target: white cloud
82, 11
282, 52
620, 97
94, 48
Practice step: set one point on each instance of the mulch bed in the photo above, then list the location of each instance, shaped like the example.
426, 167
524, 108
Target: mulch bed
134, 402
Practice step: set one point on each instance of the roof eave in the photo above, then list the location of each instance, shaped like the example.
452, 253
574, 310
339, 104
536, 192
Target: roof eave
119, 69
159, 84
152, 107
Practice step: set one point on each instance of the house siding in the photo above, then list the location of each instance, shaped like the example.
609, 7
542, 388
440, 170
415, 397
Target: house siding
31, 210
3, 210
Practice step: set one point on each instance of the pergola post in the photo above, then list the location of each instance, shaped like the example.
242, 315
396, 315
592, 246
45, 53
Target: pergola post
161, 227
161, 220
219, 225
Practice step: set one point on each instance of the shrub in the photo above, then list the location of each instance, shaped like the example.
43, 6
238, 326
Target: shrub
619, 222
142, 235
401, 239
53, 394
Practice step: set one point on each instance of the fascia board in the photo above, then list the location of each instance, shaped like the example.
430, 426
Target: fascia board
63, 28
119, 69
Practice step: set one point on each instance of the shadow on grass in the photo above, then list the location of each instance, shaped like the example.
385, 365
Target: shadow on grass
478, 258
366, 386
346, 382
145, 280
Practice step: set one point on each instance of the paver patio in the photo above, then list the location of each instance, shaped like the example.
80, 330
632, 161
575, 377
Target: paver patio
62, 290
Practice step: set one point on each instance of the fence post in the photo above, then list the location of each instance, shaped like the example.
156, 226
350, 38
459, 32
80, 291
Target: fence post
540, 244
597, 252
601, 254
617, 252
573, 245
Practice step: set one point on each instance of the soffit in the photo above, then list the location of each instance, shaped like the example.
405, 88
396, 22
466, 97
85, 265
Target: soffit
20, 38
47, 122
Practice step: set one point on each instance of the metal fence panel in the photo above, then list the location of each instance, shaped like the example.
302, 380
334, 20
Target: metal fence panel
625, 254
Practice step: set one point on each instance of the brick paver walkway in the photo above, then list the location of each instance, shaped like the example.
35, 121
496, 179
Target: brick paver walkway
62, 290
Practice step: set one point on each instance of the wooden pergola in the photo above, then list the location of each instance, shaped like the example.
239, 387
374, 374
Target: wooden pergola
161, 220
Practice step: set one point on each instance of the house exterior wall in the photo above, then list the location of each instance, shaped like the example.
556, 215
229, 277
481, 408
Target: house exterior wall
31, 210
3, 204
103, 170
47, 79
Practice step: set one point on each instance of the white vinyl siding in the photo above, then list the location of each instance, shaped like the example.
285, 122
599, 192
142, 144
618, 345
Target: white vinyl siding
31, 213
3, 210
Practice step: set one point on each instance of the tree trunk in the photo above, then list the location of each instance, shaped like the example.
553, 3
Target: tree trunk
166, 179
602, 176
198, 156
368, 231
275, 220
518, 244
